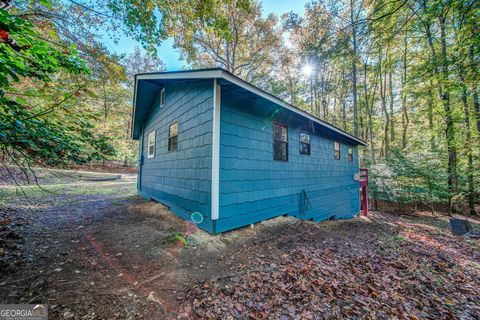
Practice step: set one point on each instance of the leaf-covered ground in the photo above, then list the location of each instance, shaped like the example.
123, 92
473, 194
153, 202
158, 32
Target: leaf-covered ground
384, 267
93, 250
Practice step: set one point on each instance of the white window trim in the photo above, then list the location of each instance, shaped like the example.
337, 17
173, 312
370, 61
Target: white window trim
149, 144
215, 201
162, 97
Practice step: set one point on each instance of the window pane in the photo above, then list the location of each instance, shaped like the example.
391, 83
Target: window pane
151, 145
336, 150
304, 148
304, 137
280, 132
280, 151
173, 137
173, 130
173, 143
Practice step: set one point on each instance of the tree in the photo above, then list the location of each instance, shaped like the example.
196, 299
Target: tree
401, 74
139, 62
353, 22
238, 40
420, 50
28, 135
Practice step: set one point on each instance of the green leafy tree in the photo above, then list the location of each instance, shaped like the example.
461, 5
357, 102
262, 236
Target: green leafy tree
36, 131
238, 39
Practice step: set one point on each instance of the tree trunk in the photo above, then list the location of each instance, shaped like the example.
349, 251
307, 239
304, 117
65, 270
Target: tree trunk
476, 107
405, 119
430, 117
105, 109
476, 101
362, 131
468, 142
449, 130
369, 115
335, 109
392, 119
476, 104
383, 98
324, 100
354, 69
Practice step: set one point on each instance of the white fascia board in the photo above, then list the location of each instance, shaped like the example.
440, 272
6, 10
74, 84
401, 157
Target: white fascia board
215, 192
207, 74
132, 121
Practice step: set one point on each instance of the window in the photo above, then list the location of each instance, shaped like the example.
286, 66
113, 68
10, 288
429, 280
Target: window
350, 154
304, 143
151, 145
173, 137
336, 150
162, 97
280, 144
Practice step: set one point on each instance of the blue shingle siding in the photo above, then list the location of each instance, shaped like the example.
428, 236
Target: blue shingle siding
181, 179
254, 187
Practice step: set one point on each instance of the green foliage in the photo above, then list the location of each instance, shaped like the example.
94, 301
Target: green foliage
38, 125
231, 34
176, 237
414, 65
35, 58
46, 139
402, 178
152, 21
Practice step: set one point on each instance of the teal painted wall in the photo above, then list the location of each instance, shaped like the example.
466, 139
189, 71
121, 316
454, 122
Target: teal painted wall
254, 187
181, 179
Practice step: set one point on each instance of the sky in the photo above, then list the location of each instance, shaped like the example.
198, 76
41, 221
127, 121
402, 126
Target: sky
171, 57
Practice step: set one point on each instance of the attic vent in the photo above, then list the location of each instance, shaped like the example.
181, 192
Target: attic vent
162, 97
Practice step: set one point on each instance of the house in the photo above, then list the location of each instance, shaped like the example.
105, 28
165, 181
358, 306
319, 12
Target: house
218, 150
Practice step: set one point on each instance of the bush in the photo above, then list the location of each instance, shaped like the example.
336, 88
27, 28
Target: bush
419, 178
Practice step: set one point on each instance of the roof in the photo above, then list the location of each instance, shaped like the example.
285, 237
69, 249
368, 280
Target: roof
146, 89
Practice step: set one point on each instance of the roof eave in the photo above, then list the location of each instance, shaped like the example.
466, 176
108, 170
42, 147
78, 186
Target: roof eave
217, 73
250, 87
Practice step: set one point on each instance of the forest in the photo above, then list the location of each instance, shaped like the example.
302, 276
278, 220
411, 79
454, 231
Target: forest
401, 75
80, 240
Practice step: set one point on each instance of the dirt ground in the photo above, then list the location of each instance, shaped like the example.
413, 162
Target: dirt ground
94, 250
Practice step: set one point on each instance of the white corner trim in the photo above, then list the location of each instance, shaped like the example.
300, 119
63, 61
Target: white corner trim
215, 203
